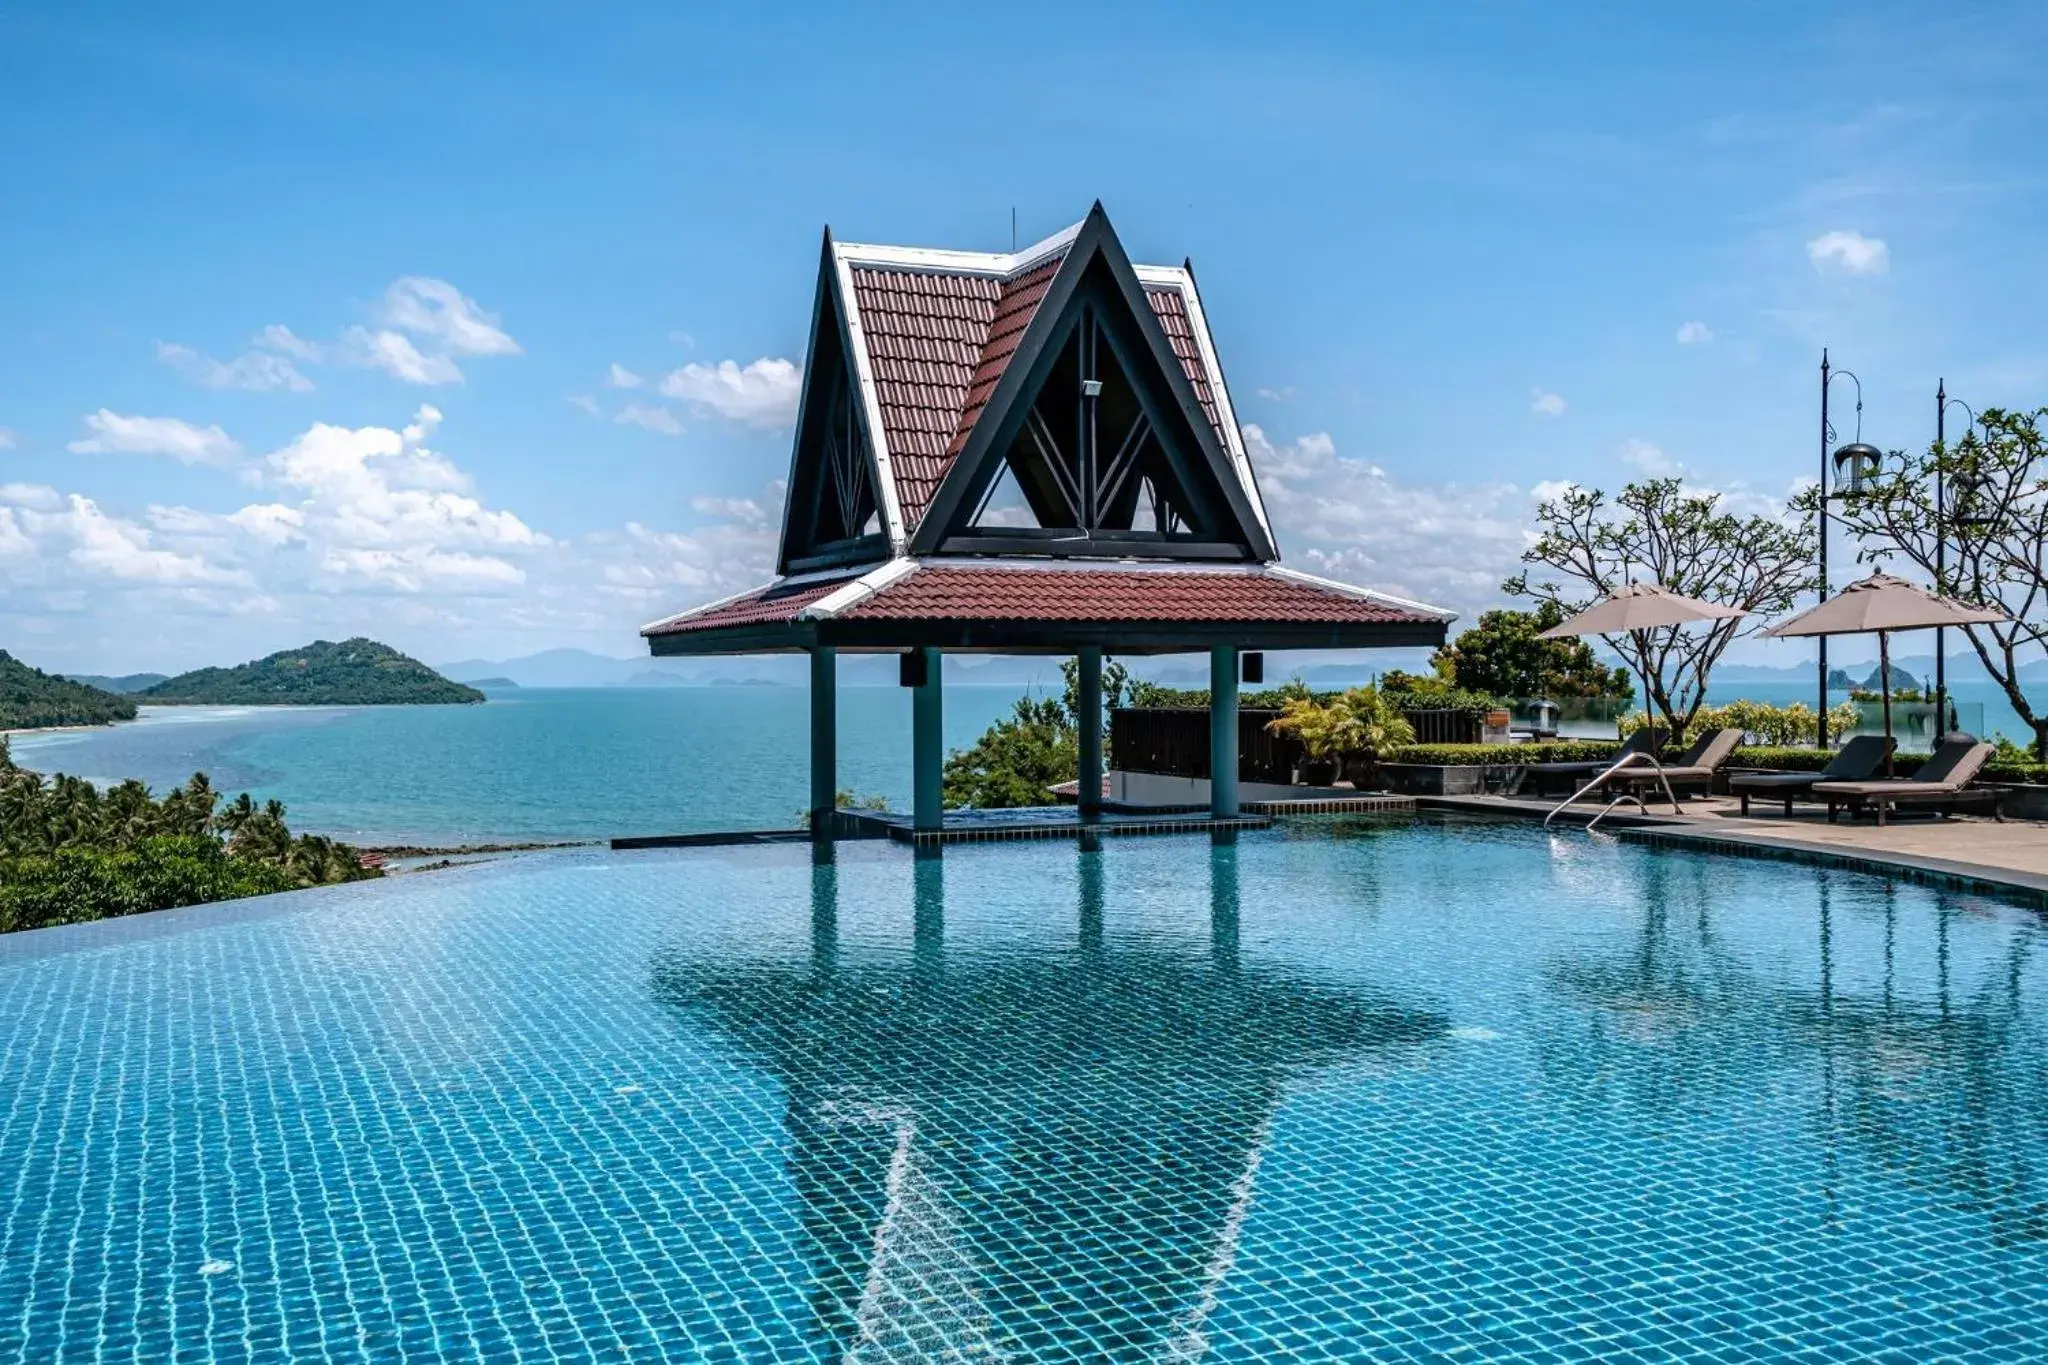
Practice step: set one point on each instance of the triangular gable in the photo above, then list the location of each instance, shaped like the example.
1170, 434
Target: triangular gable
1097, 323
837, 508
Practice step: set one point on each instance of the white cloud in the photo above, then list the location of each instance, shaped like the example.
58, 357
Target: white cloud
280, 338
683, 339
438, 310
113, 434
6, 439
1546, 404
1694, 333
1279, 395
1550, 490
398, 357
1849, 252
1450, 544
30, 495
762, 394
117, 549
619, 377
270, 523
653, 418
746, 511
1649, 458
256, 371
586, 402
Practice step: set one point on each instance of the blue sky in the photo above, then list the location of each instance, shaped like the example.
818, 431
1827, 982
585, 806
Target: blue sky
1451, 254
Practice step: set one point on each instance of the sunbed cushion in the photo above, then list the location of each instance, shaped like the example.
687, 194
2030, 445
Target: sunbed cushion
1955, 765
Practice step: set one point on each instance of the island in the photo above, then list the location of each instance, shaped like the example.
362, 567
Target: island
356, 672
31, 699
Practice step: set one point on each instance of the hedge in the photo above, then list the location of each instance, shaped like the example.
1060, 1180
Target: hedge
1749, 756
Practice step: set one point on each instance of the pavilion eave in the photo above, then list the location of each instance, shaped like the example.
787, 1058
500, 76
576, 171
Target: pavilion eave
884, 636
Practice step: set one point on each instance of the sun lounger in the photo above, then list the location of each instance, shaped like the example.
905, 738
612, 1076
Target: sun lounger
1856, 761
1694, 770
1941, 784
1568, 775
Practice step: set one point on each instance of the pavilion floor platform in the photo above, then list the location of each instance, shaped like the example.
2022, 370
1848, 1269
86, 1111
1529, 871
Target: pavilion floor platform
1041, 822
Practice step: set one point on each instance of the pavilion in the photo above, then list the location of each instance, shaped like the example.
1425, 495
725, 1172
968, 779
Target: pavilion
1031, 453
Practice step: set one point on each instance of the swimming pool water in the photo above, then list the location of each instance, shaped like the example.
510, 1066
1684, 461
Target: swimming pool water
1342, 1090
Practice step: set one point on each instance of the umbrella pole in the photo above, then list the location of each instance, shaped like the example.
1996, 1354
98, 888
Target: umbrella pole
1884, 680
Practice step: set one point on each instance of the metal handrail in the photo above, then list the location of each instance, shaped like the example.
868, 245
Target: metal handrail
1625, 761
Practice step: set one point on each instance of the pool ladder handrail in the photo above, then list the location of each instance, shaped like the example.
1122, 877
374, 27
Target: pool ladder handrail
1625, 761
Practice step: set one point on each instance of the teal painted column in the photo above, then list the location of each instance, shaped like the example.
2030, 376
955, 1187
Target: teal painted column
927, 748
824, 739
1090, 723
1223, 732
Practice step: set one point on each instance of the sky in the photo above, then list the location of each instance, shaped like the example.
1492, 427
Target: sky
477, 328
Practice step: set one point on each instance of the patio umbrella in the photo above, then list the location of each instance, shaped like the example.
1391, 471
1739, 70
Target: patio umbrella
1637, 608
1882, 604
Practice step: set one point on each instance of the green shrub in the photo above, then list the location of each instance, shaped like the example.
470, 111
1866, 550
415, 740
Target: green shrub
1016, 759
73, 885
1470, 755
1778, 726
70, 852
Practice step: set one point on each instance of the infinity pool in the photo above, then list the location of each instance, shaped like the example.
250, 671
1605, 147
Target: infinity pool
1343, 1090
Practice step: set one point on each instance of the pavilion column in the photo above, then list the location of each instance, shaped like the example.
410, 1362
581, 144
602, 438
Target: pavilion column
824, 739
1223, 732
1090, 722
927, 748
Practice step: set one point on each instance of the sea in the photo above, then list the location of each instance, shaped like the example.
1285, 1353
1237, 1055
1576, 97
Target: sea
543, 764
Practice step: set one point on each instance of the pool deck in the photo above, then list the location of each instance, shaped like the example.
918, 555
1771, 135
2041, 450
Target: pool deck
1976, 853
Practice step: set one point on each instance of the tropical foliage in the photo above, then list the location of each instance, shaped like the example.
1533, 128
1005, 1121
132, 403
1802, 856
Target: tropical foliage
31, 699
1017, 758
1362, 726
1987, 544
1656, 531
1761, 722
1502, 655
356, 672
70, 852
1435, 692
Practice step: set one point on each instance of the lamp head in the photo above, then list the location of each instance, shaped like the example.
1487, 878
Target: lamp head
1856, 466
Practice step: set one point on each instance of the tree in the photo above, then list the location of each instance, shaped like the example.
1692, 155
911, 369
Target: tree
1657, 532
1016, 759
1502, 655
1996, 532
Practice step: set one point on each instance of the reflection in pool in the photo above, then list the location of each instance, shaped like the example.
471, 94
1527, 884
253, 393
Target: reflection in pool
1029, 1151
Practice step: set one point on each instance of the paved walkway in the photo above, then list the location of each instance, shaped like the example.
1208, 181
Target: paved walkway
2012, 854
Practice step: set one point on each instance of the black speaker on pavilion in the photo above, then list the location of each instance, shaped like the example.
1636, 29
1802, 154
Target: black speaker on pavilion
1254, 666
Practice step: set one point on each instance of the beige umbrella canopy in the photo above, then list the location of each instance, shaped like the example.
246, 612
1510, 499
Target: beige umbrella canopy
1636, 608
1882, 604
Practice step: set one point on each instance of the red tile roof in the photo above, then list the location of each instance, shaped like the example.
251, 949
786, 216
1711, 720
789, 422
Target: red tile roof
1172, 311
925, 333
948, 592
766, 605
938, 343
938, 591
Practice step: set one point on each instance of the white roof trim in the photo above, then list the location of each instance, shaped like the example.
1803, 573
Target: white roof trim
871, 405
1175, 277
859, 590
1353, 590
963, 262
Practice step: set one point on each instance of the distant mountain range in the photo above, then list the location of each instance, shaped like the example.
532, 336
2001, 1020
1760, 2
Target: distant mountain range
126, 683
356, 672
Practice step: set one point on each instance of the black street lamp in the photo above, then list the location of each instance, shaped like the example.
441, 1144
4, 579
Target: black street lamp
1942, 403
1854, 464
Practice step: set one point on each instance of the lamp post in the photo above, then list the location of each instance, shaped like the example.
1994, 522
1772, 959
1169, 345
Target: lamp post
1855, 459
1942, 403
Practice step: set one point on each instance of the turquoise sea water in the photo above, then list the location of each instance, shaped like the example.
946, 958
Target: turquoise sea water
1346, 1090
529, 765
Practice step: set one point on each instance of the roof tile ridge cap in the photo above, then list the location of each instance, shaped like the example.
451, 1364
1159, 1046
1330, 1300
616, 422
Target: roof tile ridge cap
869, 584
1025, 563
703, 607
1355, 590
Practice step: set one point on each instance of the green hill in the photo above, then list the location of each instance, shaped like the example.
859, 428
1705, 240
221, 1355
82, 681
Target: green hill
125, 683
355, 672
31, 699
